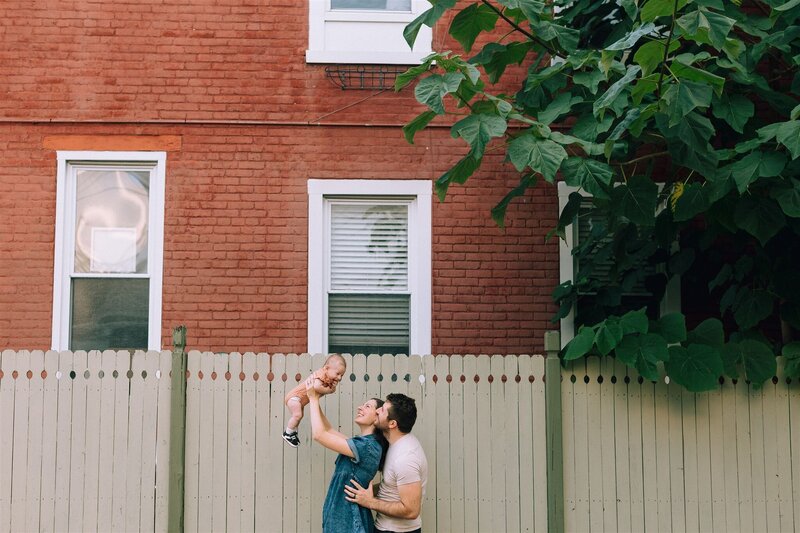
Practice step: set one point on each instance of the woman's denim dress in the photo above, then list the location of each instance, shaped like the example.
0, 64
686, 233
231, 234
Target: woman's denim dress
339, 515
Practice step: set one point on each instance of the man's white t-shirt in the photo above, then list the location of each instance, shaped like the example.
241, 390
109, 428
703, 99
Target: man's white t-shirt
405, 463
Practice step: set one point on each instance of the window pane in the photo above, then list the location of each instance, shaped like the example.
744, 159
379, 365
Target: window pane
382, 5
369, 247
109, 314
111, 220
366, 323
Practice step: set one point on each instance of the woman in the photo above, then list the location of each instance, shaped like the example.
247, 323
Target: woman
359, 458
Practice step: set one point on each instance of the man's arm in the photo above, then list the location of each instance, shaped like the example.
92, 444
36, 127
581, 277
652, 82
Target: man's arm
408, 507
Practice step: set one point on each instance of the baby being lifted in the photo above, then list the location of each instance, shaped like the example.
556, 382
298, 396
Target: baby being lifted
325, 381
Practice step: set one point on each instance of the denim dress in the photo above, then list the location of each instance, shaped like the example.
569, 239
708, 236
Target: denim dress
339, 515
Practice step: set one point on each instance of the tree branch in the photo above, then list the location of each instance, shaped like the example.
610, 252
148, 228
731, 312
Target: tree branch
666, 49
517, 27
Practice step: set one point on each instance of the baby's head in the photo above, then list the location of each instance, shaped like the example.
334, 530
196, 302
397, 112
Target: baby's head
334, 367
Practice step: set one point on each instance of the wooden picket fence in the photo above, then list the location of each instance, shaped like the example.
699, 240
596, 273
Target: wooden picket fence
644, 456
85, 445
85, 440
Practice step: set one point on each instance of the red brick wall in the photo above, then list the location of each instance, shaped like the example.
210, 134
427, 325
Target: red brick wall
235, 261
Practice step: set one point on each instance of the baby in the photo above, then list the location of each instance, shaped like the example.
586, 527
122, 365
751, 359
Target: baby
325, 381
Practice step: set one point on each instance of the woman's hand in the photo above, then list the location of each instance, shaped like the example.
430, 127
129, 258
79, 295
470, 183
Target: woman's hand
310, 390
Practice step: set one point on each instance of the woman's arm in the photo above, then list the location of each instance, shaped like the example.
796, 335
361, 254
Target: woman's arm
321, 429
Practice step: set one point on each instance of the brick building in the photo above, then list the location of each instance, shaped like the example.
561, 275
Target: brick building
201, 163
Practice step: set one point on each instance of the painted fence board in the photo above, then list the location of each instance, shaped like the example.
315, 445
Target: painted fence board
34, 445
621, 446
163, 441
248, 458
49, 427
607, 448
442, 449
149, 441
730, 472
235, 446
21, 427
539, 445
457, 441
192, 452
483, 421
64, 424
264, 460
91, 483
471, 466
8, 361
220, 422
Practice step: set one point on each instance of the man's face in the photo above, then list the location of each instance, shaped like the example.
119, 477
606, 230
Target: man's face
383, 416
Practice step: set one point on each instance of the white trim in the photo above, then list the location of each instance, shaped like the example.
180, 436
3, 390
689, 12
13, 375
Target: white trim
64, 238
671, 302
419, 259
365, 36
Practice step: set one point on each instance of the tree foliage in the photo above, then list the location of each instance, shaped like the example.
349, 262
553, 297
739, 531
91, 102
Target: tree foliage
680, 119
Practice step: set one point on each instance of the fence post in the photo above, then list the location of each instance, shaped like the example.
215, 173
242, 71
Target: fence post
177, 432
555, 452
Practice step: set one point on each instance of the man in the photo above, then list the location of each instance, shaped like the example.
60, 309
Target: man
399, 497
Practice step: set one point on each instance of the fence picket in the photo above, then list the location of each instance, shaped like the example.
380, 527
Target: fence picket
539, 445
248, 457
263, 458
426, 418
63, 439
568, 397
485, 518
49, 427
594, 435
442, 431
303, 502
91, 485
794, 414
192, 456
607, 448
456, 443
471, 466
276, 450
319, 456
134, 458
621, 444
205, 487
235, 446
690, 458
745, 483
662, 455
149, 442
730, 473
122, 364
636, 456
7, 366
771, 457
164, 407
34, 445
718, 519
677, 460
21, 427
219, 443
786, 510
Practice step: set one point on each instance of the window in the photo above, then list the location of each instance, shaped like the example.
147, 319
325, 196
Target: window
365, 32
369, 266
108, 252
636, 297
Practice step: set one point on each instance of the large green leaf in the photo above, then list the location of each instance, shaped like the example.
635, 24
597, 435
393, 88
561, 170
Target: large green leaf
608, 97
650, 55
759, 361
499, 211
706, 27
541, 155
671, 326
459, 173
791, 360
658, 8
495, 57
470, 22
752, 307
687, 72
560, 105
593, 176
635, 322
697, 367
419, 123
760, 217
734, 109
708, 332
633, 37
636, 200
788, 135
789, 198
692, 202
478, 130
608, 335
428, 18
756, 164
684, 97
431, 90
651, 347
580, 345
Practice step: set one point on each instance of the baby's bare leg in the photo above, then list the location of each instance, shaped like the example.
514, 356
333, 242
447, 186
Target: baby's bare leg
296, 410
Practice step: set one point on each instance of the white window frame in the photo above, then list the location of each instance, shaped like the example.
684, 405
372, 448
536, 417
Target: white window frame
671, 302
327, 44
65, 237
419, 253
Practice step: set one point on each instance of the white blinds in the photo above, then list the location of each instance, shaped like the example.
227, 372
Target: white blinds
369, 247
368, 297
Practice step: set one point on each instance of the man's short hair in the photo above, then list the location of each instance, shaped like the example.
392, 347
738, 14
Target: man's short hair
402, 410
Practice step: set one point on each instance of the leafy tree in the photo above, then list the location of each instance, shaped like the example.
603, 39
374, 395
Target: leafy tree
680, 119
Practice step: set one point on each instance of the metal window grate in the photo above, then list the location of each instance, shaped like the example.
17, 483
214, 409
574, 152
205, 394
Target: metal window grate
363, 77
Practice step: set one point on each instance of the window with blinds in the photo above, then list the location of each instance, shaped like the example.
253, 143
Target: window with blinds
368, 295
636, 297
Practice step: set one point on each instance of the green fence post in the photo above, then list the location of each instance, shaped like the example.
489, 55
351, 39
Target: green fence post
177, 430
555, 452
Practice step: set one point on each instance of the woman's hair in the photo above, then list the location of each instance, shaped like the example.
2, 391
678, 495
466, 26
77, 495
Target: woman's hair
380, 438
